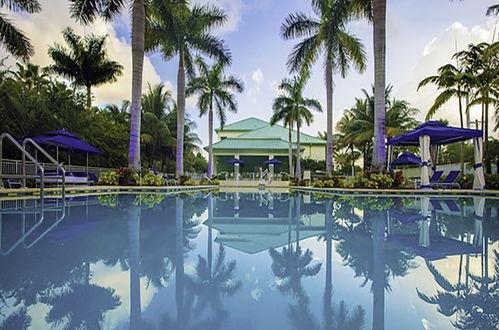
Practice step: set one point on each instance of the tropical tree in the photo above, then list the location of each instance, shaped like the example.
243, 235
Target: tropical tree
326, 35
293, 107
215, 91
179, 30
14, 40
155, 130
357, 124
481, 68
86, 11
85, 63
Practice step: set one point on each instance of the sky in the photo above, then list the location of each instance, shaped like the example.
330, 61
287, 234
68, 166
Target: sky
421, 36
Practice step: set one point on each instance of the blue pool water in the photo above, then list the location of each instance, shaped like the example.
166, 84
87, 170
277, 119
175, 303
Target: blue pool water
249, 261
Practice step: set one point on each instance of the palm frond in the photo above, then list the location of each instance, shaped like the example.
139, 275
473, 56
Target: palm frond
14, 40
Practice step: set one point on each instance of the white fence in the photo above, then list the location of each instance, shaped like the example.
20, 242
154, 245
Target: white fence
11, 166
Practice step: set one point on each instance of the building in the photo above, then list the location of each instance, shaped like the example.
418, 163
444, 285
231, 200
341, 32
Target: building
254, 141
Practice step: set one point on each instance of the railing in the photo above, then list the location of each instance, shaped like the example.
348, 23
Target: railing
13, 166
25, 154
50, 158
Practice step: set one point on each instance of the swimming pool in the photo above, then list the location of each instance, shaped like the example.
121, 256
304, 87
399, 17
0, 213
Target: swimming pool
249, 261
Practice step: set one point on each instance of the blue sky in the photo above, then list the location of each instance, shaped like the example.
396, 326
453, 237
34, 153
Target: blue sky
421, 36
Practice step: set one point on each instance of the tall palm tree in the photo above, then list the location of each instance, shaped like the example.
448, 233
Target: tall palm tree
85, 62
179, 30
293, 107
325, 34
86, 11
11, 38
215, 91
155, 130
481, 68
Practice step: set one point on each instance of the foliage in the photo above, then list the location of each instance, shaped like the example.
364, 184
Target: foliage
333, 182
206, 182
313, 165
109, 178
492, 181
375, 180
109, 200
147, 177
125, 175
148, 201
466, 181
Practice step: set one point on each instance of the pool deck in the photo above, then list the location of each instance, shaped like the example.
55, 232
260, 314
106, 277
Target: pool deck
94, 190
400, 192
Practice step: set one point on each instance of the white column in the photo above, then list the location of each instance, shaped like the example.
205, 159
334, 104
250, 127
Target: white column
478, 205
390, 158
424, 148
434, 156
424, 225
479, 178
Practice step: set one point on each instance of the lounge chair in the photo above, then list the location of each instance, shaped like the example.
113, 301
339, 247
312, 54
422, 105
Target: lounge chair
12, 183
434, 178
449, 181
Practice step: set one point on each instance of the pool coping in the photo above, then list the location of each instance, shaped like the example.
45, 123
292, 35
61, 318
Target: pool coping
98, 190
399, 192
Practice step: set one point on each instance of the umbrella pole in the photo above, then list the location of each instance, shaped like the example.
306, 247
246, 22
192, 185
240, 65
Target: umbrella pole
69, 162
57, 154
87, 164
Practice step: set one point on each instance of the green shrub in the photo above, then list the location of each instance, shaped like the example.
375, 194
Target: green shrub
492, 181
188, 182
206, 182
125, 175
109, 178
183, 178
148, 178
466, 181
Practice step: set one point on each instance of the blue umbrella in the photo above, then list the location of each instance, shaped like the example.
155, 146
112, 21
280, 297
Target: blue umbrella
272, 161
235, 161
407, 158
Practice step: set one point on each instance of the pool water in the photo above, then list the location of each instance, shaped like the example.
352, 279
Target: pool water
249, 261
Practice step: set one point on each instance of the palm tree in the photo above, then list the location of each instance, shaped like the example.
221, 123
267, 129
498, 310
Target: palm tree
292, 107
215, 91
178, 30
326, 34
86, 11
481, 68
85, 63
357, 124
11, 38
155, 130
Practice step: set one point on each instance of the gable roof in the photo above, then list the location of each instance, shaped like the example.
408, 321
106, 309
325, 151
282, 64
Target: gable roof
247, 124
257, 143
278, 131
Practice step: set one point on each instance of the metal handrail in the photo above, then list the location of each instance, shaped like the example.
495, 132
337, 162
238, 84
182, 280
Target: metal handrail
27, 246
49, 157
25, 153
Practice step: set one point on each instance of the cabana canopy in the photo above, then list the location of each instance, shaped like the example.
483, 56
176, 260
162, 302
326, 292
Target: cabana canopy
407, 158
66, 141
438, 132
429, 136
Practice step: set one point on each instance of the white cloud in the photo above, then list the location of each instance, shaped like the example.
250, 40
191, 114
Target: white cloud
44, 29
436, 53
257, 76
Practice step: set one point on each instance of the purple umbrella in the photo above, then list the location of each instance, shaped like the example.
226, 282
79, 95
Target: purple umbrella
407, 158
235, 161
273, 161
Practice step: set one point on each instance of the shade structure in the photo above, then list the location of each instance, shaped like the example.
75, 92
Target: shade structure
407, 158
273, 161
66, 141
428, 136
235, 161
438, 132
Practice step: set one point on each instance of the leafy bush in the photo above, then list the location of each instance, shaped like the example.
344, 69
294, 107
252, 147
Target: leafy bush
374, 180
125, 175
206, 182
183, 178
109, 178
188, 182
492, 181
466, 181
325, 182
109, 200
148, 201
148, 178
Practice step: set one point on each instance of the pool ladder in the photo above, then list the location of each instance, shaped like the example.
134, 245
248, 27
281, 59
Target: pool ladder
38, 165
41, 210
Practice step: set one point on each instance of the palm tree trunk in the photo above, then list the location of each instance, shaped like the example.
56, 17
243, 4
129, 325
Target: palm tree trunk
378, 286
290, 151
379, 38
179, 256
210, 234
138, 35
298, 151
488, 165
329, 116
462, 126
89, 99
328, 289
210, 139
180, 116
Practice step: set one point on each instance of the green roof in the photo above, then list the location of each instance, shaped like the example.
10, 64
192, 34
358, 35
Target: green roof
281, 132
247, 124
256, 143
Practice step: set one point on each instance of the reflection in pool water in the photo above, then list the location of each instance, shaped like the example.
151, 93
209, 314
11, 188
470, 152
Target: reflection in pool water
249, 261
